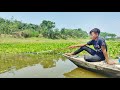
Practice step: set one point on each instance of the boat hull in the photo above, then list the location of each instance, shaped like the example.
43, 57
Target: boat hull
98, 67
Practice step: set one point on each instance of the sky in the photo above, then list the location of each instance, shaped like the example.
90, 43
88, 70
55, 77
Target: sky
105, 21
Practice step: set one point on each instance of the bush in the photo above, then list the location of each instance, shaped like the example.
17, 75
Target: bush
29, 33
64, 37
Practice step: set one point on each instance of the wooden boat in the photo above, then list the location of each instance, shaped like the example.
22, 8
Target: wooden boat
99, 67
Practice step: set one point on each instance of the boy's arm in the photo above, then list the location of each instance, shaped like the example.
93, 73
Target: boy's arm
88, 43
75, 46
106, 55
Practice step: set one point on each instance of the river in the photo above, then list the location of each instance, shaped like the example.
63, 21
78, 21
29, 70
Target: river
41, 66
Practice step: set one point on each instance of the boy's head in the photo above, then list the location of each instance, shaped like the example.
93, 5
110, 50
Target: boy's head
94, 33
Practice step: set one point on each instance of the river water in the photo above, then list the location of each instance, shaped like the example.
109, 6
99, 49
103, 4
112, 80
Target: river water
41, 66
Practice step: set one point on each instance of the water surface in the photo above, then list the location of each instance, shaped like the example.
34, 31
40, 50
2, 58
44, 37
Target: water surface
41, 66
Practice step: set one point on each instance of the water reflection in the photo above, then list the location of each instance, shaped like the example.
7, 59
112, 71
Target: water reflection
82, 73
40, 66
18, 61
38, 71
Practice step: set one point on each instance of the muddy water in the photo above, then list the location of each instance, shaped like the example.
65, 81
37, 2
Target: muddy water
41, 66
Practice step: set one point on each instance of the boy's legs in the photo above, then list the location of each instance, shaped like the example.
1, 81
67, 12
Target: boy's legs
94, 58
89, 50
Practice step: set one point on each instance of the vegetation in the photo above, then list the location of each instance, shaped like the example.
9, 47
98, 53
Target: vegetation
36, 45
46, 29
32, 45
46, 34
108, 35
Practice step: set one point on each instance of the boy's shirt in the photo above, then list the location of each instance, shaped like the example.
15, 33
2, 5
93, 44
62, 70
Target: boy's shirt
97, 44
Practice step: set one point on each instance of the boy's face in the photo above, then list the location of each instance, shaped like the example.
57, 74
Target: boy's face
93, 35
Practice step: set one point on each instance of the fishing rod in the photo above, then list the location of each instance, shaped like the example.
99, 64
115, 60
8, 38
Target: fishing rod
48, 51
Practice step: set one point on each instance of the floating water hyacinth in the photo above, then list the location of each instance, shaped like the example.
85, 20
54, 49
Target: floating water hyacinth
52, 46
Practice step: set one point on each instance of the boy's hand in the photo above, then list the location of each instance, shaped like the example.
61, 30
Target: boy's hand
111, 62
82, 45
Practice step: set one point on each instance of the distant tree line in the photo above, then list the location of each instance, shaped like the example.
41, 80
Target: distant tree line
46, 29
106, 35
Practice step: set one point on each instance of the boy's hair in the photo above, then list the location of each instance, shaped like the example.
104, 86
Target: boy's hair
95, 30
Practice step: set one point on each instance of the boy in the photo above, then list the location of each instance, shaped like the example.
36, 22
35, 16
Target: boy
100, 52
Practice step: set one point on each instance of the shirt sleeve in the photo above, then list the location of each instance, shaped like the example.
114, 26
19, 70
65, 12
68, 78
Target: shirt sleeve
90, 42
102, 43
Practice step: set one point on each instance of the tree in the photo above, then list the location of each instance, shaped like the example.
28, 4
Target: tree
73, 33
107, 35
112, 35
103, 34
46, 28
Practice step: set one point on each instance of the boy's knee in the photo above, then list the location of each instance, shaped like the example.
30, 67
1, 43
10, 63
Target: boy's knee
87, 58
92, 58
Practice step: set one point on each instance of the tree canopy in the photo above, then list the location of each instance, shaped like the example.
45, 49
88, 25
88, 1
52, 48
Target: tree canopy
45, 29
107, 35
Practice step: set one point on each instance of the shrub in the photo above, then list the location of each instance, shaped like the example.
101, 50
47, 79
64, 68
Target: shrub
30, 33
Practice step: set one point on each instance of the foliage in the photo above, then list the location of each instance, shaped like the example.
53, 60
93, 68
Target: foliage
50, 46
46, 28
29, 33
107, 35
